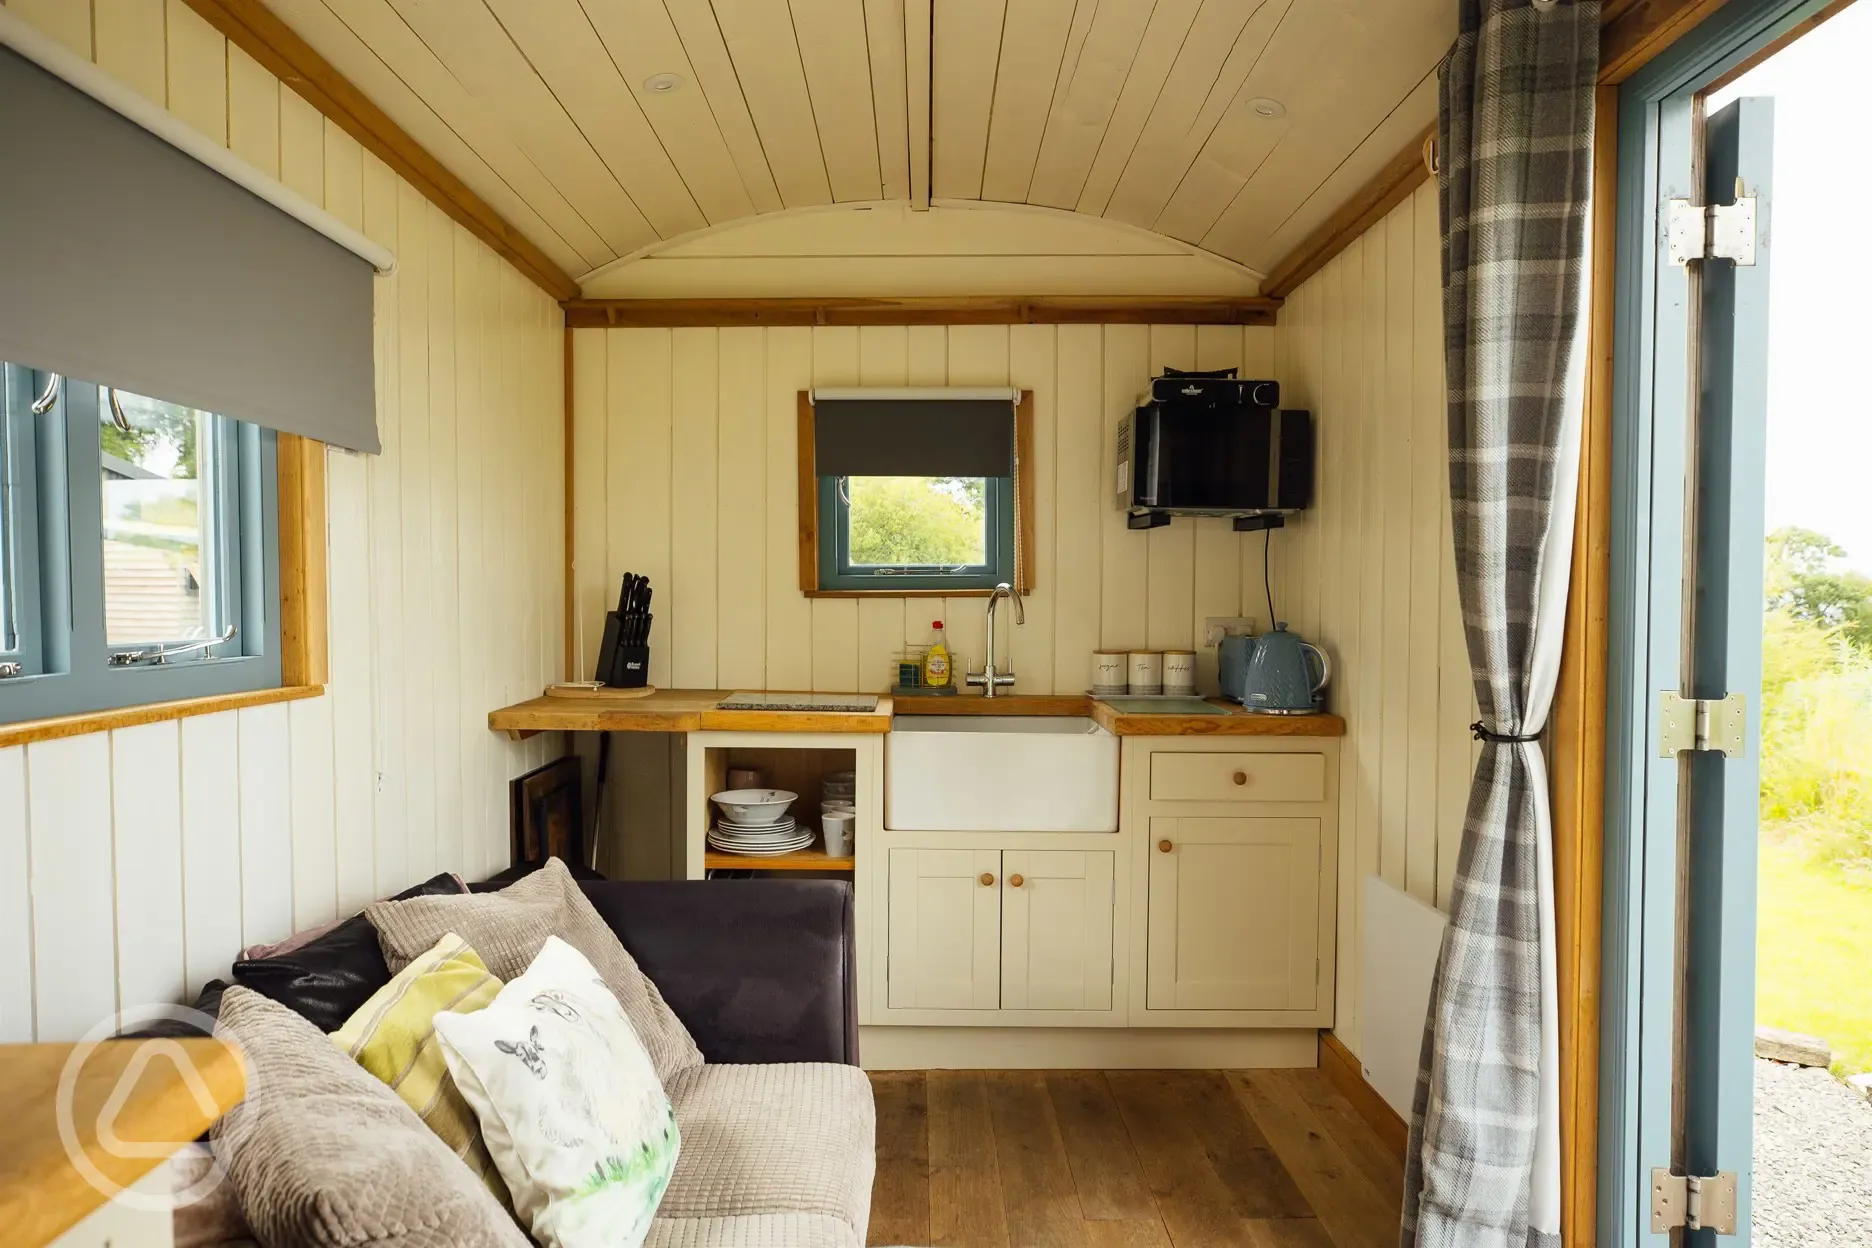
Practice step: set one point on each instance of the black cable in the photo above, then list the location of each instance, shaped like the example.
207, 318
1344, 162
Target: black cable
1267, 583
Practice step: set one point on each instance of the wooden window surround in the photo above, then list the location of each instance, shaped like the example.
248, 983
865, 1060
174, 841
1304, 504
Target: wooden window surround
304, 652
809, 514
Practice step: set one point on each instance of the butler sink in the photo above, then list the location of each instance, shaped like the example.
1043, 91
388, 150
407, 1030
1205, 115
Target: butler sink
1000, 773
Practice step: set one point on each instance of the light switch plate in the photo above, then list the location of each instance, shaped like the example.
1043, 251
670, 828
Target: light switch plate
1216, 627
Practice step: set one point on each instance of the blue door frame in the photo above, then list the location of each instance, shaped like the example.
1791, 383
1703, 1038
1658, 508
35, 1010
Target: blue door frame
1653, 391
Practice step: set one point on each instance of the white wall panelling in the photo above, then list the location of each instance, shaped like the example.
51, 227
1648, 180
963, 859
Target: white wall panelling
697, 427
1369, 571
134, 865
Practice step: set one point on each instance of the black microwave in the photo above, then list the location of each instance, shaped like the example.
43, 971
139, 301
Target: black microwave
1236, 459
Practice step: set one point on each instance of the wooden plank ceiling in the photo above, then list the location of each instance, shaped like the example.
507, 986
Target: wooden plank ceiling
1136, 110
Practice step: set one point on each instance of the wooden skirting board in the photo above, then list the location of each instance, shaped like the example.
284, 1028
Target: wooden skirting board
1338, 1064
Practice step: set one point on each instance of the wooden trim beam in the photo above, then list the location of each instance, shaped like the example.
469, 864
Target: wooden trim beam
257, 31
1635, 33
574, 661
149, 713
305, 649
981, 310
1391, 186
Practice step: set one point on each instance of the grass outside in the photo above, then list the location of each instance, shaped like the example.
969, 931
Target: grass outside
1813, 970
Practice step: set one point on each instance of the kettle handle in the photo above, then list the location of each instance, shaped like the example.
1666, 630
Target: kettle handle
1324, 663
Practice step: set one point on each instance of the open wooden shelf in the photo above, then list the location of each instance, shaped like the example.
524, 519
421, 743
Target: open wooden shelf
814, 859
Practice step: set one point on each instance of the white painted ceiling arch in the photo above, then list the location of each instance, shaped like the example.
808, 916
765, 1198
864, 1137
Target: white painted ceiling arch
1140, 112
888, 248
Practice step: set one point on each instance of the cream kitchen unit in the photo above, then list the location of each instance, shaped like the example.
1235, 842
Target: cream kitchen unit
1110, 889
1198, 929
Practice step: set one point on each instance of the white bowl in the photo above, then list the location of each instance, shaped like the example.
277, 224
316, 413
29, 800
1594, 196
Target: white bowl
754, 806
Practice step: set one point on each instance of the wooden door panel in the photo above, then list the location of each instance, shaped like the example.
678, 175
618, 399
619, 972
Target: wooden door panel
945, 929
1233, 914
1056, 951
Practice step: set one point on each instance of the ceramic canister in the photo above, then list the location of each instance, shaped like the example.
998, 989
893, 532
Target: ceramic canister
1146, 671
1110, 671
1179, 671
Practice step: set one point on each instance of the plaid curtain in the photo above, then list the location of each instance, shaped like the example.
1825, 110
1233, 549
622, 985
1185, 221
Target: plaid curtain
1515, 126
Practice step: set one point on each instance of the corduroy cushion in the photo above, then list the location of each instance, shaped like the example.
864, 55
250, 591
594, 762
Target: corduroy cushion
322, 1155
770, 1141
393, 1036
509, 928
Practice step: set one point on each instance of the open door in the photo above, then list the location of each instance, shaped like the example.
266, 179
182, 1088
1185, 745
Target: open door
1710, 718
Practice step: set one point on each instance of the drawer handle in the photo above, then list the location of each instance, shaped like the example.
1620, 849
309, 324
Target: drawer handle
1241, 778
987, 879
1015, 881
1163, 847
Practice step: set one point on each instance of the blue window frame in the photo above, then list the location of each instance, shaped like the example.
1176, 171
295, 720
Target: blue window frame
139, 550
894, 534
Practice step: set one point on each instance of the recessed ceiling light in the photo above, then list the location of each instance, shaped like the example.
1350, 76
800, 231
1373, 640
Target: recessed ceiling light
1262, 106
662, 84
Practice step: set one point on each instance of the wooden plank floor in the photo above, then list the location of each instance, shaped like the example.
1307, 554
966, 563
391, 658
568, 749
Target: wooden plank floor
1128, 1159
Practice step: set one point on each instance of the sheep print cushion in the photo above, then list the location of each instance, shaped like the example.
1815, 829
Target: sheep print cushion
571, 1108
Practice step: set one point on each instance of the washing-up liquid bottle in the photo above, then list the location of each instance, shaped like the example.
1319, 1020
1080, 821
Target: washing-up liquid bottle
936, 672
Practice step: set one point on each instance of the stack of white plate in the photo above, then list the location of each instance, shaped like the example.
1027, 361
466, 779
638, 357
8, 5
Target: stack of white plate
766, 840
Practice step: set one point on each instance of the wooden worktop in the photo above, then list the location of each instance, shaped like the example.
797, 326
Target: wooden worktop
42, 1193
694, 710
674, 710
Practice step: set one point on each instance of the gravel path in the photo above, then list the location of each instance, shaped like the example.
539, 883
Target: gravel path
1813, 1160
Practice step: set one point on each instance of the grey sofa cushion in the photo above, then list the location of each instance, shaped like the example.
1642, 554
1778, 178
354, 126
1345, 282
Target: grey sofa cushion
322, 1155
509, 928
768, 1150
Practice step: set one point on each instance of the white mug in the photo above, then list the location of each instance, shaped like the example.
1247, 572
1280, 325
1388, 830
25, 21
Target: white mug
1108, 670
1146, 671
1179, 671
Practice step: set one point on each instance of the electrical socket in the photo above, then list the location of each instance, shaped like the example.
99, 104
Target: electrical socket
1216, 627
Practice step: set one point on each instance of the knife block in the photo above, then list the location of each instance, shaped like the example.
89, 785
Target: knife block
630, 668
621, 667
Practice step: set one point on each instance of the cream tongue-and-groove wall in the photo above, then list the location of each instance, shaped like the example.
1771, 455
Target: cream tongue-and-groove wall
135, 864
1370, 571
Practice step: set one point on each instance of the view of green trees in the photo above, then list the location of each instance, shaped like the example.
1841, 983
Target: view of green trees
1817, 697
1814, 889
935, 521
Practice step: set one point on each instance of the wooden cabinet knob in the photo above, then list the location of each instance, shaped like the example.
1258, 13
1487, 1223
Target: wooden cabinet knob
1163, 847
1015, 881
987, 878
1241, 777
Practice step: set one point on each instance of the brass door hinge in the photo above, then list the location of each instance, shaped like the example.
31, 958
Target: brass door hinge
1693, 1202
1719, 724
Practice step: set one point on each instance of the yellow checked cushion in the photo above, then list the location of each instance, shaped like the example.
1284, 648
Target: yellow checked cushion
393, 1037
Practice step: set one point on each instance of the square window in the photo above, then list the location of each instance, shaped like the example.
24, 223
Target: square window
911, 533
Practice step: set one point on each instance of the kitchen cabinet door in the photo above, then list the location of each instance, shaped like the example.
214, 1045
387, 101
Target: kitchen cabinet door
945, 929
1233, 914
1056, 936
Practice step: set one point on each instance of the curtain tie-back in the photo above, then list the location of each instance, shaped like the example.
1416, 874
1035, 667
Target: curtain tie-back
1499, 738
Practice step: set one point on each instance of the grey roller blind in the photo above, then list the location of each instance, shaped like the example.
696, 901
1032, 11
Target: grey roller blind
913, 438
126, 262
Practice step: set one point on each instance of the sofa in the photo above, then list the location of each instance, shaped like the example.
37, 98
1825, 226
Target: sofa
777, 1124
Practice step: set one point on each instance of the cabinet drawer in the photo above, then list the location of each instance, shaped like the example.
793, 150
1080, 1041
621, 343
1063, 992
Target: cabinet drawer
1238, 777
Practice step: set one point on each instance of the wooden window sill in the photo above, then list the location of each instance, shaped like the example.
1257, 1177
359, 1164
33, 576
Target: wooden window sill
149, 713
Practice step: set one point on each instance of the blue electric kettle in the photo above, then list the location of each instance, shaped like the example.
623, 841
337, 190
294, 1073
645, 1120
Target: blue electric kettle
1284, 674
